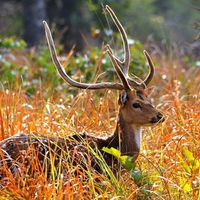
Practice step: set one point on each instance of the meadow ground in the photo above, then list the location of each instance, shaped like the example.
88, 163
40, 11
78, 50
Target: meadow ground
169, 164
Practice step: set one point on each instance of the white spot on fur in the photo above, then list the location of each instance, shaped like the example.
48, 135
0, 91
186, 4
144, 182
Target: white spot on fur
138, 135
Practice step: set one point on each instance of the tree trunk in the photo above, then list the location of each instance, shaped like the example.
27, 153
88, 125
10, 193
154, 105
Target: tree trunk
34, 14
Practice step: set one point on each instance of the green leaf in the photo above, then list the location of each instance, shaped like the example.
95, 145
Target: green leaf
186, 167
112, 151
127, 162
188, 154
137, 175
185, 185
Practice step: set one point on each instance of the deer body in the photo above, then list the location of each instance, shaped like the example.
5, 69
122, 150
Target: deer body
135, 112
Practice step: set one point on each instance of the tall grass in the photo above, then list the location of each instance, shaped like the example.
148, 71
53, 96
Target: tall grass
169, 163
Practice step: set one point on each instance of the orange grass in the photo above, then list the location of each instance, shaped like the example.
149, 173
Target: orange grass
169, 159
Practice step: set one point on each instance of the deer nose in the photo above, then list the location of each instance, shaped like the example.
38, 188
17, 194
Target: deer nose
159, 116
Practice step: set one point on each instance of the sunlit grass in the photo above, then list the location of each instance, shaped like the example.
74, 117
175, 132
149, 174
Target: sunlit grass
169, 159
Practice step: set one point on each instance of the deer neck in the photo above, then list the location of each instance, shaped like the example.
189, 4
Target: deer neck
126, 138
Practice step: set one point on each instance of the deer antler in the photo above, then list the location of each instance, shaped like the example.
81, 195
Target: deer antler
74, 83
124, 65
121, 67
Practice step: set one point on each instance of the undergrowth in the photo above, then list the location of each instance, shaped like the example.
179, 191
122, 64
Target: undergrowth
35, 100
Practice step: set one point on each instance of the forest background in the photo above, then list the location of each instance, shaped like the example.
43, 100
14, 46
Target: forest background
161, 22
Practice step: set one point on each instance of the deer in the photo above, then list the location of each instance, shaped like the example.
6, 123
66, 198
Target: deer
135, 112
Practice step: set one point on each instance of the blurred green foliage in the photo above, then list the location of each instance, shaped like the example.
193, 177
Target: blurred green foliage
11, 43
169, 21
164, 21
29, 66
141, 18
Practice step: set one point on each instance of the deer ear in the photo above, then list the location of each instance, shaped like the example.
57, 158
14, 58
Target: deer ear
149, 91
123, 97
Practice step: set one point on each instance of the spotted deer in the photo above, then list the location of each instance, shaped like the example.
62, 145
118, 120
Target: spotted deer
135, 111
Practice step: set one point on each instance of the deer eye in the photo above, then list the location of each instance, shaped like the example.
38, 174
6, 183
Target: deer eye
136, 105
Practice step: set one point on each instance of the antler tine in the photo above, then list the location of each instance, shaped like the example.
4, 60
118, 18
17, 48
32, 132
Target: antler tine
64, 75
151, 69
118, 69
125, 64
